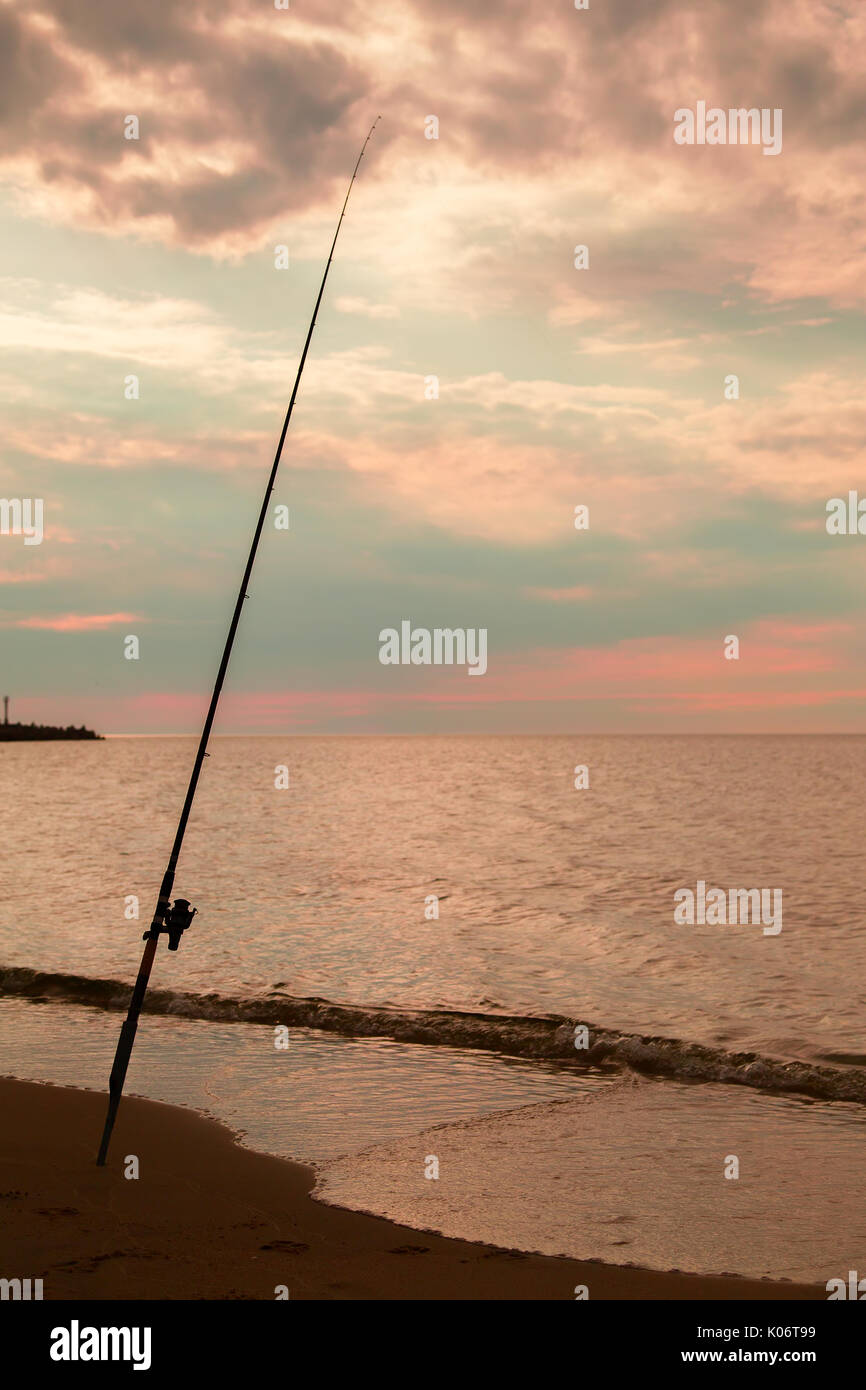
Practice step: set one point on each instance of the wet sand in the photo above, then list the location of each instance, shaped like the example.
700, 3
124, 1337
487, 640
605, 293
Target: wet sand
209, 1219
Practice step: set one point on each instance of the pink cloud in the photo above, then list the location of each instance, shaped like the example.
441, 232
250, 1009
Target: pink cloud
78, 622
575, 593
643, 670
20, 577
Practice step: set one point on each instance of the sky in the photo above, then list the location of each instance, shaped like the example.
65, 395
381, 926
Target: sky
559, 387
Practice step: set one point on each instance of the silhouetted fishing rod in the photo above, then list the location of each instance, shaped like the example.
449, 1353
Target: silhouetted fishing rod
174, 919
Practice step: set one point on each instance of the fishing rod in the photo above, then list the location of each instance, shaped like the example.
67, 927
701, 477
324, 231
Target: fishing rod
174, 918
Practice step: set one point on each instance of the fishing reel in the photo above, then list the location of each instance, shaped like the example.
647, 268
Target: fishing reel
174, 923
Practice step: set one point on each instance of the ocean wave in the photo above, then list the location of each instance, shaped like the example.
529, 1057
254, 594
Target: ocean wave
549, 1038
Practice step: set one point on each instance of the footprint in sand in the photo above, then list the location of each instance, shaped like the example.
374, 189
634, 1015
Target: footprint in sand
90, 1264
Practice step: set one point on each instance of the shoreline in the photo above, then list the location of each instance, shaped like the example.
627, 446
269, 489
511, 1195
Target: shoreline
207, 1218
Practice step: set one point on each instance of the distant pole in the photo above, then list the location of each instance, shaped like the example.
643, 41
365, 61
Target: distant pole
5, 709
174, 920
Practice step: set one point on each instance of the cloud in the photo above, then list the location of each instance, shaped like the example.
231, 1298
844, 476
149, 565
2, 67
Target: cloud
560, 132
558, 386
346, 305
577, 593
76, 622
20, 577
239, 120
498, 456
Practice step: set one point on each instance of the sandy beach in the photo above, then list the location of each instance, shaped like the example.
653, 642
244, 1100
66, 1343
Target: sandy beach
210, 1219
